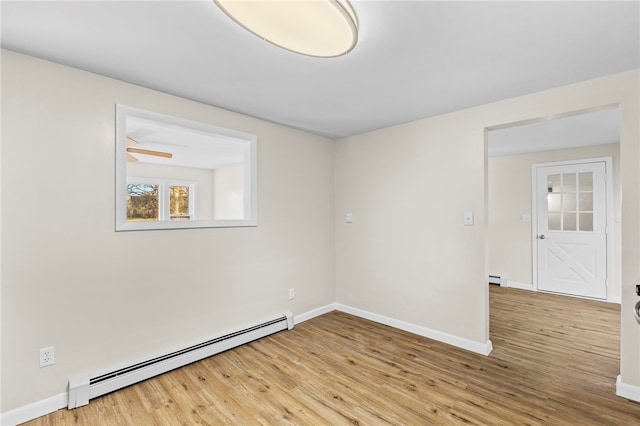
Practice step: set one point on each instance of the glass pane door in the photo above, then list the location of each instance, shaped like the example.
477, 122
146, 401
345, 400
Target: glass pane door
570, 202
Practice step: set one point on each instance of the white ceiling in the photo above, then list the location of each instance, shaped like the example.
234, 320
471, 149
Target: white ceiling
189, 147
593, 128
414, 59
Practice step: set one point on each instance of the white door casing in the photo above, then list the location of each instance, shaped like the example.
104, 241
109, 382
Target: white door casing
571, 228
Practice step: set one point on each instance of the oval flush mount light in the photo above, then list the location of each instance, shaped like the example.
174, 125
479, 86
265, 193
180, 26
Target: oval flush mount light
321, 28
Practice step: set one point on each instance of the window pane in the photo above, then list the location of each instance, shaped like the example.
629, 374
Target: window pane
586, 222
586, 181
142, 202
553, 183
569, 182
553, 202
554, 222
179, 203
586, 202
569, 221
569, 203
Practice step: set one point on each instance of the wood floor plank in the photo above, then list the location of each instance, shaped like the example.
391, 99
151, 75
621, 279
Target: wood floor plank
555, 362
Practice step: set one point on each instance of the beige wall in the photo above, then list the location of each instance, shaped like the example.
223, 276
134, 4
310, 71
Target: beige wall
408, 256
105, 299
510, 196
228, 184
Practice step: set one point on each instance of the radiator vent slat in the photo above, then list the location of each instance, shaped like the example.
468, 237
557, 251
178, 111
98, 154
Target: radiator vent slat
180, 352
83, 388
494, 279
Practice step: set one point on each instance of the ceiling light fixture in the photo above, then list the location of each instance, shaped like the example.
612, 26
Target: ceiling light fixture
321, 28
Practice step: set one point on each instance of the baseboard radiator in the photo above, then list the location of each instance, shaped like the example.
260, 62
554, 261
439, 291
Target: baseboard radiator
494, 279
84, 388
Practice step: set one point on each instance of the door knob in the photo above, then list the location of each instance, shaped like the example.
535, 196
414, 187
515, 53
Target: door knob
542, 237
636, 311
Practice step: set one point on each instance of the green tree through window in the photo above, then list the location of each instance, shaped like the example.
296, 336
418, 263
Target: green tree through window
142, 201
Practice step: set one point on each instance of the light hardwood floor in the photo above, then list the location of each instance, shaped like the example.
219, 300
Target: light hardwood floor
555, 361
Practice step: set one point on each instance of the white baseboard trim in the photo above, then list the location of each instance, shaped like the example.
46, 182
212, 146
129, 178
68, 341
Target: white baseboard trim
627, 391
297, 319
470, 345
34, 410
615, 299
520, 286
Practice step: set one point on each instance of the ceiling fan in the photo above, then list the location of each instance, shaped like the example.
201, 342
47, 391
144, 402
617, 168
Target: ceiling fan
131, 149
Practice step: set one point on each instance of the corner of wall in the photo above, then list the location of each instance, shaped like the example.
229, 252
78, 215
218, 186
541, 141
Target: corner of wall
625, 390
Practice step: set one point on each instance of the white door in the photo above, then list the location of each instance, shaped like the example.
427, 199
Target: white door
571, 229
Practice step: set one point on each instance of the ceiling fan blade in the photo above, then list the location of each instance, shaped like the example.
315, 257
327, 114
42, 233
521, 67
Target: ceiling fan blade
150, 152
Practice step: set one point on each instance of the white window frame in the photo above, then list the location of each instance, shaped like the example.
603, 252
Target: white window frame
164, 185
249, 144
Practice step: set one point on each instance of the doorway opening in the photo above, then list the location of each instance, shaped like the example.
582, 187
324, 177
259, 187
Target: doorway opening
535, 171
515, 199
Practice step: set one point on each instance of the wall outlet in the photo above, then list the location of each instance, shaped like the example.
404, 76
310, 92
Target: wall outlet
292, 293
467, 218
47, 356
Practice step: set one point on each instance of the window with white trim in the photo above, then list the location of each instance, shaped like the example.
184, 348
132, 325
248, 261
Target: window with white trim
173, 173
160, 200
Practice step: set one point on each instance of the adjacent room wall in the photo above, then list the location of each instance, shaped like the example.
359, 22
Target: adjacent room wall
407, 254
228, 184
510, 242
105, 299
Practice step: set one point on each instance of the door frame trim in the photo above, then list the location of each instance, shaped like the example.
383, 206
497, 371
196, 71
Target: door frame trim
608, 170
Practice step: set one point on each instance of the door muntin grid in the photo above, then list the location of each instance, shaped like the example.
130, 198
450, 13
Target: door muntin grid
570, 202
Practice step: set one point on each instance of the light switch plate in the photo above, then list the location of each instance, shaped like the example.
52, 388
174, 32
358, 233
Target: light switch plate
525, 217
349, 218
